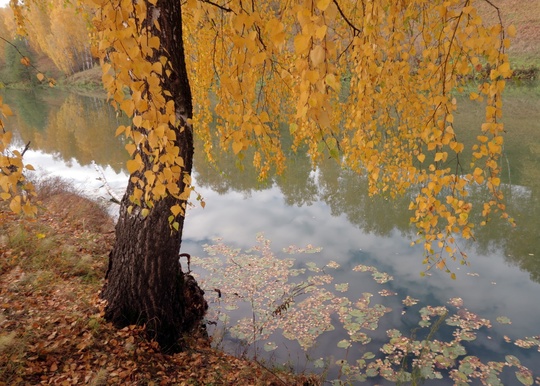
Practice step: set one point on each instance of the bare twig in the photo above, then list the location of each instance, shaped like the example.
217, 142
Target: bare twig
114, 197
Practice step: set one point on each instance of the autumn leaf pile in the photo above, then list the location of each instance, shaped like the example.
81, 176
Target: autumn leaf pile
51, 330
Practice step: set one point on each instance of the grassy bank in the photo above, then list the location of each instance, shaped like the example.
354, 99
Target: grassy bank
51, 328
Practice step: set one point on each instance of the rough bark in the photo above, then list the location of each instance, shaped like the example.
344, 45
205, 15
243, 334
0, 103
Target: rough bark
145, 283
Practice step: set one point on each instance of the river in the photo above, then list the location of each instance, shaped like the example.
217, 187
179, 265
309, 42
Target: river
328, 208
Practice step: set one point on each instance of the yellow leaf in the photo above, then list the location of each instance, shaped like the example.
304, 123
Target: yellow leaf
421, 157
40, 76
512, 30
323, 4
440, 156
237, 147
134, 164
317, 55
159, 190
137, 120
504, 69
15, 205
176, 209
258, 58
120, 130
25, 61
301, 43
130, 147
128, 106
332, 81
145, 212
6, 111
154, 42
320, 33
441, 264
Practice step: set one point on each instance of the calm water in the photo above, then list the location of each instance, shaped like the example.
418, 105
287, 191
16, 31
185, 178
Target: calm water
329, 208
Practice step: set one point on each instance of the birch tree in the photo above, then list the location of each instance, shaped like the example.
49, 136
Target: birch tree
373, 84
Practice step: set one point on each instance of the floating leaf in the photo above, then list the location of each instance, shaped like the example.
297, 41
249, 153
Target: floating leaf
319, 363
503, 320
525, 377
368, 355
269, 346
342, 287
512, 360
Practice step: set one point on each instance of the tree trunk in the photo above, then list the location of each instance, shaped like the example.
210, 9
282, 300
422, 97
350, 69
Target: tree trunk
145, 283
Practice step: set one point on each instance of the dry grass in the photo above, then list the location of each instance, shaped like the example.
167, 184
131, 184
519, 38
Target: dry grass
525, 15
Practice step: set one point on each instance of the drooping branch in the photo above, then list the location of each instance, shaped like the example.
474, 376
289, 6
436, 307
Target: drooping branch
26, 62
223, 8
356, 29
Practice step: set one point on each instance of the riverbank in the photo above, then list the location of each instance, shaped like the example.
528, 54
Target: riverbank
51, 326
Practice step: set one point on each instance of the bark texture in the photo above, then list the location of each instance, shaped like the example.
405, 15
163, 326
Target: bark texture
145, 283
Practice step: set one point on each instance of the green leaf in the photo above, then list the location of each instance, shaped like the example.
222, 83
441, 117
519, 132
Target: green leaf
344, 343
343, 287
319, 363
270, 346
503, 320
368, 355
293, 127
525, 377
512, 360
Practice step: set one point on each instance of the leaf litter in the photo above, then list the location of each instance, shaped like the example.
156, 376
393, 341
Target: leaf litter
51, 325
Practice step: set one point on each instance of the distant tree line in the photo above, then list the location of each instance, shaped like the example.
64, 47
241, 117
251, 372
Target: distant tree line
53, 31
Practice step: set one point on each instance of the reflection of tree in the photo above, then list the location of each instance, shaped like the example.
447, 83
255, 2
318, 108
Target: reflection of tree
78, 127
83, 128
227, 173
520, 245
30, 106
298, 184
521, 176
346, 192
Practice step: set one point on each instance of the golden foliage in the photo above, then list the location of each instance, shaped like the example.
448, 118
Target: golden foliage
134, 74
13, 185
372, 84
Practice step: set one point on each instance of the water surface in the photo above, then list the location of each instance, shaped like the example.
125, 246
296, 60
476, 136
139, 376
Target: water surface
330, 208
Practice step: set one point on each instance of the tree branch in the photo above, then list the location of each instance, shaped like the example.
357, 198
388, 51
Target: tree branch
217, 5
356, 30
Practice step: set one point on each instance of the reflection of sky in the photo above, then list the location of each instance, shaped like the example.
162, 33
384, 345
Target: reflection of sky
500, 290
85, 178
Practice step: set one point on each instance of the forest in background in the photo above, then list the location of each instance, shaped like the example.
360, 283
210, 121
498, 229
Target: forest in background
58, 40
